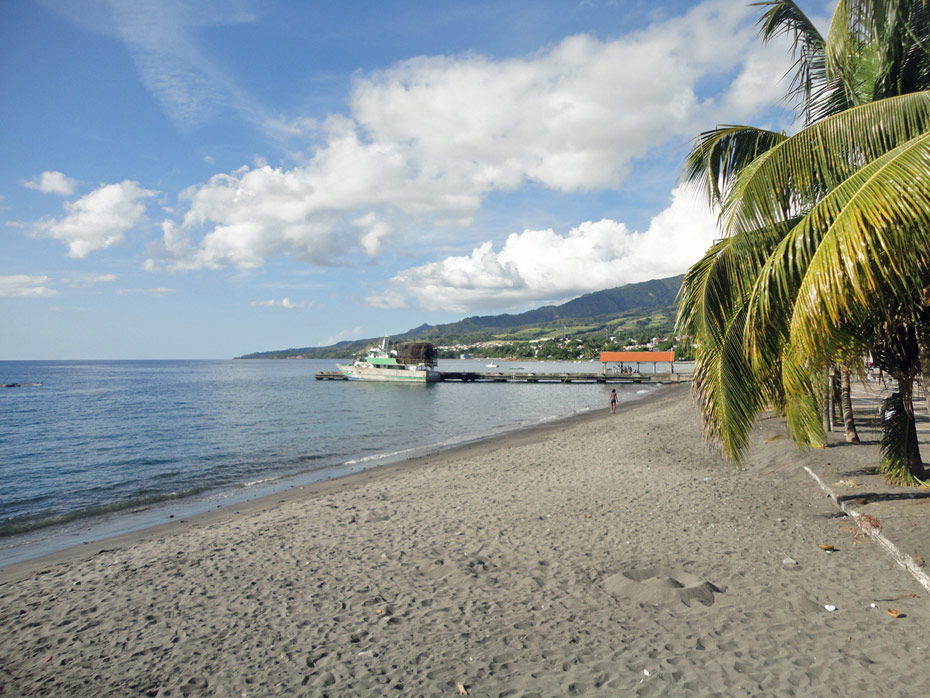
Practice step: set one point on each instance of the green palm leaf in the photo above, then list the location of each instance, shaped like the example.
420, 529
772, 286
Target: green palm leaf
870, 244
784, 17
719, 155
794, 174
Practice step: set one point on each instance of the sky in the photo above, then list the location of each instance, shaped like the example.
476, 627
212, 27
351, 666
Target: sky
207, 178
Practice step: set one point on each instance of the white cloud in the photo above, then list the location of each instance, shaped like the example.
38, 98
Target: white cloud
541, 265
23, 286
159, 291
429, 138
89, 281
285, 303
51, 182
161, 36
99, 219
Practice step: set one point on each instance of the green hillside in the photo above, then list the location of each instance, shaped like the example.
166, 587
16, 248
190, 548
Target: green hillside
634, 313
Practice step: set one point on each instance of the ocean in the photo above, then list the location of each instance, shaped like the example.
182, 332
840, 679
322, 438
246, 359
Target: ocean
107, 447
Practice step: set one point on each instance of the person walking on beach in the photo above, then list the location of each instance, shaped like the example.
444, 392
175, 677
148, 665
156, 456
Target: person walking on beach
613, 401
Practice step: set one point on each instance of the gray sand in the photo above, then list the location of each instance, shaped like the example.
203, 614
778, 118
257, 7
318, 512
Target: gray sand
608, 556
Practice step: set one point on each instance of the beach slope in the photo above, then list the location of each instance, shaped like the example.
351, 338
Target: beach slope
604, 556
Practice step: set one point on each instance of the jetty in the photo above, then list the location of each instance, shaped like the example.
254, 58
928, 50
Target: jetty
616, 367
538, 377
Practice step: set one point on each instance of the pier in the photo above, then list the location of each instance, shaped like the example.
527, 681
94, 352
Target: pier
537, 377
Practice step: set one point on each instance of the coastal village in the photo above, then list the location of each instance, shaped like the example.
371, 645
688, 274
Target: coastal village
558, 349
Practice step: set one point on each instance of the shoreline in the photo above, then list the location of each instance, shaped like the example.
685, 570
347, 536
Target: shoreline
606, 555
183, 499
156, 524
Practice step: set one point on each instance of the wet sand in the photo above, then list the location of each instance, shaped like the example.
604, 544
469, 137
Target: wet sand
604, 556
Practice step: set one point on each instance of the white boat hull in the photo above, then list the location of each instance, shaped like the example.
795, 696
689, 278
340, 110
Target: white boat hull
387, 375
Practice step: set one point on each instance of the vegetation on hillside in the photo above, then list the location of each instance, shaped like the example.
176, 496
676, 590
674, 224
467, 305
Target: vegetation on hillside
632, 315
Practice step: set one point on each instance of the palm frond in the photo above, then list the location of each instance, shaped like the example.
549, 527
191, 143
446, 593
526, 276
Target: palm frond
867, 244
784, 17
804, 384
718, 155
881, 47
712, 312
726, 388
796, 173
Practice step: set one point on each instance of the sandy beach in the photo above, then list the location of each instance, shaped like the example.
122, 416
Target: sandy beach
603, 556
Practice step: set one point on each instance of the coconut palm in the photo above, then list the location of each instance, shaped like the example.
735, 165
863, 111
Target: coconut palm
826, 244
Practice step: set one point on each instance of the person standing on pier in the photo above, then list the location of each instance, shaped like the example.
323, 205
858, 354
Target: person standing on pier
613, 401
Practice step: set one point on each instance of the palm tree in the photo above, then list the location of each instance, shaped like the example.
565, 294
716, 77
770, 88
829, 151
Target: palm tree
826, 243
849, 423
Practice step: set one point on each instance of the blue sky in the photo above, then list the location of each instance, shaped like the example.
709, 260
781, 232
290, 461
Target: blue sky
209, 178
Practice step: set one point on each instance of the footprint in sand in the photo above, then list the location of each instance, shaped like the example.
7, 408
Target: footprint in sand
659, 586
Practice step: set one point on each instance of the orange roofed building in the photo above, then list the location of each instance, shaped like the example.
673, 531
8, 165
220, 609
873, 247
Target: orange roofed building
609, 357
637, 357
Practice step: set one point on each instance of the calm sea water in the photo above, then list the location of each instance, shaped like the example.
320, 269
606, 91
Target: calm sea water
103, 439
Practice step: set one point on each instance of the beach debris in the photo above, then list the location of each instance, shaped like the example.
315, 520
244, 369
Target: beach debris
48, 659
378, 611
918, 560
868, 524
789, 561
830, 607
908, 595
894, 612
826, 548
873, 605
462, 690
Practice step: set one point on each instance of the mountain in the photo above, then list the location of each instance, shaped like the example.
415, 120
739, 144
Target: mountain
644, 308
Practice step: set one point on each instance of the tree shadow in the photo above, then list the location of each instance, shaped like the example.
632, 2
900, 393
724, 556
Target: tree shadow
872, 497
870, 442
862, 472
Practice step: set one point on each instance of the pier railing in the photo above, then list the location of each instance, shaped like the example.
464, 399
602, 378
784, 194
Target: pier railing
538, 377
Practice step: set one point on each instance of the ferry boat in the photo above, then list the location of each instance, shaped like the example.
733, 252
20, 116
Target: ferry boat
379, 364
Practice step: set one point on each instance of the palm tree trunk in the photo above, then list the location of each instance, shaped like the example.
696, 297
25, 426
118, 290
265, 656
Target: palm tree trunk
915, 465
924, 350
849, 421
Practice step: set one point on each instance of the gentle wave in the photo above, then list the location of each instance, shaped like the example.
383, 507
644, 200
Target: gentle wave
104, 438
19, 525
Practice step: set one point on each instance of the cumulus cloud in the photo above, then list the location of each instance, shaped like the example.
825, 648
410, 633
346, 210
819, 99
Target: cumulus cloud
542, 265
159, 291
427, 139
285, 303
23, 286
52, 182
99, 219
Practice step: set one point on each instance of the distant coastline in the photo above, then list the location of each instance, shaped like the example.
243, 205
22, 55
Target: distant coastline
634, 314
